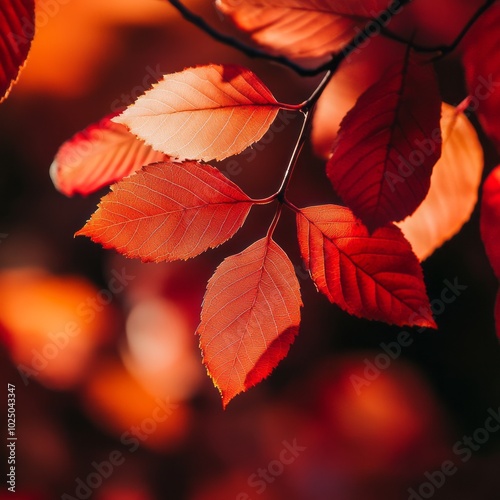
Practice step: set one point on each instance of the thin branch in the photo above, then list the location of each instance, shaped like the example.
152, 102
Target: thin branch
235, 43
442, 50
372, 28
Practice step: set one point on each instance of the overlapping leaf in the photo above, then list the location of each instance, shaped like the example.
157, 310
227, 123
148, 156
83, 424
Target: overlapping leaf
454, 186
481, 60
101, 154
204, 113
373, 276
302, 28
388, 143
17, 27
169, 211
250, 317
490, 219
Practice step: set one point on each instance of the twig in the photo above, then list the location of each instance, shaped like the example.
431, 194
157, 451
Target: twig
442, 50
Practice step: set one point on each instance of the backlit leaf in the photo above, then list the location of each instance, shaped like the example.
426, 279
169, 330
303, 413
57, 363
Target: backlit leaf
481, 60
17, 27
302, 28
250, 317
101, 154
204, 113
388, 143
454, 186
490, 219
373, 276
169, 211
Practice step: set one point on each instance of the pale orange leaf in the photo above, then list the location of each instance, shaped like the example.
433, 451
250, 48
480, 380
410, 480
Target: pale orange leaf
454, 186
203, 113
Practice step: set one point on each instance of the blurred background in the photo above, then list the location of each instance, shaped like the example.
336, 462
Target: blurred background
112, 400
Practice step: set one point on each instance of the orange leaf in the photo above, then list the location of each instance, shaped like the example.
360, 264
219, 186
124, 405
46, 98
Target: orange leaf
17, 27
454, 185
302, 28
204, 113
101, 154
250, 317
378, 166
373, 276
169, 211
490, 219
481, 60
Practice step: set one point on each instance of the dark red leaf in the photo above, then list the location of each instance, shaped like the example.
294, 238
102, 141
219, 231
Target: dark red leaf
17, 27
388, 143
490, 219
481, 60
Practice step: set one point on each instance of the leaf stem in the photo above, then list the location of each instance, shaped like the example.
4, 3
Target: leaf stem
275, 221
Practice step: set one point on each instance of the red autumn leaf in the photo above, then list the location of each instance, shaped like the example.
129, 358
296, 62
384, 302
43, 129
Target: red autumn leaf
17, 27
454, 187
250, 317
373, 276
388, 143
481, 61
101, 154
490, 219
204, 113
169, 211
302, 28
